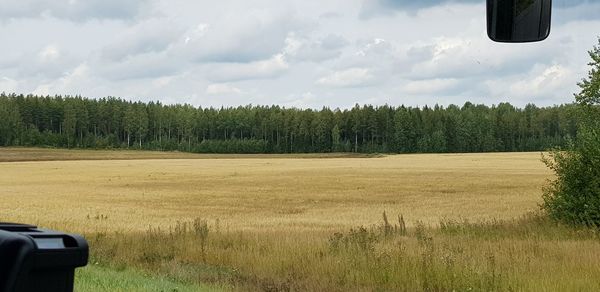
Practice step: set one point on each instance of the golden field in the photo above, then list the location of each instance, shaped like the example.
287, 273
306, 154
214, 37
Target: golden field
302, 223
261, 193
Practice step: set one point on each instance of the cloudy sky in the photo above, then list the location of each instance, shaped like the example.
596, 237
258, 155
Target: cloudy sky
289, 52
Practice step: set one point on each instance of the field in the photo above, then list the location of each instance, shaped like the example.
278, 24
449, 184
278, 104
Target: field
279, 223
268, 194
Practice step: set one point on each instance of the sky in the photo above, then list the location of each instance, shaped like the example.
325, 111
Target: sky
294, 53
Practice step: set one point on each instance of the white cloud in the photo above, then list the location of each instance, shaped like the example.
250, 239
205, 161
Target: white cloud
302, 53
245, 36
430, 86
321, 49
372, 8
264, 69
8, 85
352, 77
307, 99
196, 33
222, 88
546, 81
148, 36
543, 84
48, 62
66, 83
49, 53
141, 66
78, 10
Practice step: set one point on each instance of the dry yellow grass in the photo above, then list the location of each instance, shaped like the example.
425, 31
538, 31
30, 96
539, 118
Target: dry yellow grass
284, 224
266, 194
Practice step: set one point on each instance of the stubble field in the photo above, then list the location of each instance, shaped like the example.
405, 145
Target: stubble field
281, 223
269, 192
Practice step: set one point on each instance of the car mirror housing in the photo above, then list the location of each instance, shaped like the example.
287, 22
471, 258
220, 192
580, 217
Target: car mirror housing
518, 21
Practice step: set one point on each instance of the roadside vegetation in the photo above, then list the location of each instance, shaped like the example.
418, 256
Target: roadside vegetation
93, 278
530, 253
574, 196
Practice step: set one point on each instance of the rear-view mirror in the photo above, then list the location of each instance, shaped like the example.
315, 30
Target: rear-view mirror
518, 21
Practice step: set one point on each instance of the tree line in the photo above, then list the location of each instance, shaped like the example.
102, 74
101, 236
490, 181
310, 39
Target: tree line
76, 122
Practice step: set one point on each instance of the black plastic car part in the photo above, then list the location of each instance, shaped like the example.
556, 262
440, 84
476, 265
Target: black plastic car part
33, 259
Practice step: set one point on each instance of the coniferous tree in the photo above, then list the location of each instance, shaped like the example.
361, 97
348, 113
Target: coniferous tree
112, 123
70, 123
10, 120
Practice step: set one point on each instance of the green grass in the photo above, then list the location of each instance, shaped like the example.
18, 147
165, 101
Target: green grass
97, 278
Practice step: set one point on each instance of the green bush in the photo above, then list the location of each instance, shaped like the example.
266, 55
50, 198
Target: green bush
574, 196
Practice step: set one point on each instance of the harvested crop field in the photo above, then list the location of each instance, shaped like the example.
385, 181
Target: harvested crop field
268, 192
185, 222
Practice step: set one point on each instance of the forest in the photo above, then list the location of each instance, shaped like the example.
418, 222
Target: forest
77, 122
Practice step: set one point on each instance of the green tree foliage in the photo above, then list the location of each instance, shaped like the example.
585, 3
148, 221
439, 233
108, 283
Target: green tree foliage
10, 121
110, 122
574, 196
590, 86
405, 134
336, 139
130, 123
69, 124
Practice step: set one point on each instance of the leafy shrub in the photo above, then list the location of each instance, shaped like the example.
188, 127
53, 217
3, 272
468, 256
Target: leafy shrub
574, 197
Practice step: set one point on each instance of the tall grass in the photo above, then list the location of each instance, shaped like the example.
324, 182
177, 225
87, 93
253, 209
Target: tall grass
531, 253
